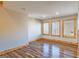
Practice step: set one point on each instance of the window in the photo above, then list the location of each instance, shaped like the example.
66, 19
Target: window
65, 27
55, 28
69, 28
45, 28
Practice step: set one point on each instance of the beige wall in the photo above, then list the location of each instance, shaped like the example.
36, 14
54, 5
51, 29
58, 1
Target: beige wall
12, 29
15, 29
78, 26
78, 33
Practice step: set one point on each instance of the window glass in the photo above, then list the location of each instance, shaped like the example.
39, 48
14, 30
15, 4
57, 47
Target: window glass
45, 28
69, 28
55, 28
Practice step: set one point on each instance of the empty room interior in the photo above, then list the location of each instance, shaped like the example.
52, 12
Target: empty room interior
39, 29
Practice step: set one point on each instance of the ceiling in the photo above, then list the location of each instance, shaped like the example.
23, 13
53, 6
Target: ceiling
44, 9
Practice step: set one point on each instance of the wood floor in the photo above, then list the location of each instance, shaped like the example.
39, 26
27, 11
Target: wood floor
43, 49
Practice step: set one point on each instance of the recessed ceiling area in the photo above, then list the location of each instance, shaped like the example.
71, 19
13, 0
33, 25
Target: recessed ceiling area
44, 9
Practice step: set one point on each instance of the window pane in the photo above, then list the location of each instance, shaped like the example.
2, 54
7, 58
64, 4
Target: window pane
46, 28
55, 28
69, 28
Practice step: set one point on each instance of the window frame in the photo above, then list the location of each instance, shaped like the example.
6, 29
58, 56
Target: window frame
59, 28
43, 28
74, 36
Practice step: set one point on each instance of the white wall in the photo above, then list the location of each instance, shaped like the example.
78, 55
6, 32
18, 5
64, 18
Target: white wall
60, 38
78, 26
12, 29
34, 29
16, 29
78, 32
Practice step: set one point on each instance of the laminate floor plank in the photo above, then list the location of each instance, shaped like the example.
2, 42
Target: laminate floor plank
44, 49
